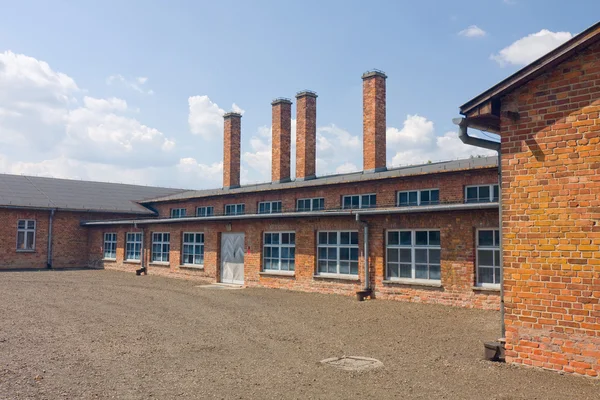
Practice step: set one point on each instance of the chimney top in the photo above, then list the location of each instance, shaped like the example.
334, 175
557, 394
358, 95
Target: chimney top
232, 114
279, 100
374, 72
309, 93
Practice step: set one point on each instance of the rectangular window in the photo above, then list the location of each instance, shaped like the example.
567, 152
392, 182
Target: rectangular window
279, 251
481, 194
133, 246
193, 249
488, 257
178, 212
359, 201
161, 245
205, 211
235, 209
314, 204
338, 252
419, 197
269, 207
413, 255
25, 235
110, 246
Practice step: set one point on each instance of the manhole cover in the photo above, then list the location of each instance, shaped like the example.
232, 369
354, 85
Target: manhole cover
353, 363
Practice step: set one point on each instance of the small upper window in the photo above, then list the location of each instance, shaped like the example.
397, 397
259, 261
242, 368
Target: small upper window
314, 204
205, 211
419, 197
178, 212
359, 201
235, 209
26, 235
481, 193
269, 207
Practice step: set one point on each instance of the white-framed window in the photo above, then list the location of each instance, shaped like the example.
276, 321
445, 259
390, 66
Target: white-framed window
205, 211
359, 201
488, 257
481, 193
269, 207
193, 248
133, 246
235, 209
337, 252
178, 212
25, 235
279, 251
161, 245
413, 255
419, 197
110, 246
314, 204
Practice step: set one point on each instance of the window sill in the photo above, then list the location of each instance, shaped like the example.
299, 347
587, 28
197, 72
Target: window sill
26, 251
278, 273
110, 259
160, 264
191, 266
493, 289
341, 277
411, 282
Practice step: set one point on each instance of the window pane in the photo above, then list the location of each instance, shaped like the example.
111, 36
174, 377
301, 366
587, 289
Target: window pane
425, 197
421, 238
434, 272
21, 224
403, 199
292, 238
484, 193
497, 275
412, 198
29, 244
497, 238
392, 255
421, 255
21, 240
322, 253
347, 201
322, 267
434, 256
405, 255
472, 194
30, 224
345, 237
332, 267
322, 237
393, 270
354, 237
354, 254
393, 238
496, 192
355, 201
486, 275
421, 271
332, 238
497, 258
332, 253
405, 238
405, 271
285, 238
486, 238
435, 196
275, 238
344, 253
485, 257
434, 238
354, 268
344, 267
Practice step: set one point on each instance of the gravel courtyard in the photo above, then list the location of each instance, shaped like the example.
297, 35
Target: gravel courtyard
105, 334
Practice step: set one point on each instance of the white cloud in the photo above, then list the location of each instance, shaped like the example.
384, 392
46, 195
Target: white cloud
135, 83
346, 167
205, 117
530, 47
417, 143
472, 31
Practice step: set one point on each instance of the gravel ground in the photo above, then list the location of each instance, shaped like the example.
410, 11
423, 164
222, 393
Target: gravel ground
105, 334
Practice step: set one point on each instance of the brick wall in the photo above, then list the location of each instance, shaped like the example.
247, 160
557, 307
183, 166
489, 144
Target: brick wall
306, 135
232, 130
551, 212
282, 136
374, 121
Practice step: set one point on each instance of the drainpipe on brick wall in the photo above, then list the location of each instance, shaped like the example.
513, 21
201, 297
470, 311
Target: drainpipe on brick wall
463, 135
367, 285
50, 221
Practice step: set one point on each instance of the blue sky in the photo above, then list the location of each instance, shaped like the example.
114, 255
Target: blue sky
133, 90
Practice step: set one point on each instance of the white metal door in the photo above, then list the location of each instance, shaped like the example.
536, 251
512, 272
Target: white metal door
232, 258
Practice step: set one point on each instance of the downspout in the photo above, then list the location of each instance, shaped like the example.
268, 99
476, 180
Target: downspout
50, 221
367, 284
463, 135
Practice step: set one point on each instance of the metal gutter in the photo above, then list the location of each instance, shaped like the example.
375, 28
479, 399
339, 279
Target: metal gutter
50, 223
49, 208
463, 135
365, 225
333, 213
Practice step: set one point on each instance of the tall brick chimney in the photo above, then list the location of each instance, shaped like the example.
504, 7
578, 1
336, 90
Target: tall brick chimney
231, 149
374, 124
282, 140
306, 135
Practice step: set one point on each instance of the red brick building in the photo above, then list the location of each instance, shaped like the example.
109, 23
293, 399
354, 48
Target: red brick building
547, 116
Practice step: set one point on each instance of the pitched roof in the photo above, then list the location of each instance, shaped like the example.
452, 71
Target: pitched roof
74, 195
431, 168
536, 68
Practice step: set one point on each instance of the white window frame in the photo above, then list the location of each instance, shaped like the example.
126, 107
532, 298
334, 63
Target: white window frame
209, 211
112, 242
338, 246
412, 247
279, 246
311, 201
164, 256
236, 206
178, 212
195, 252
491, 189
268, 207
419, 201
25, 230
488, 248
134, 242
360, 201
